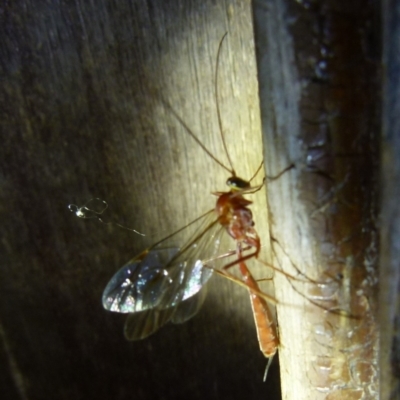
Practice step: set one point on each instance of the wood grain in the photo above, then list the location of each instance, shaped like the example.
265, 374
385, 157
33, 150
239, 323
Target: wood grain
389, 294
82, 118
319, 78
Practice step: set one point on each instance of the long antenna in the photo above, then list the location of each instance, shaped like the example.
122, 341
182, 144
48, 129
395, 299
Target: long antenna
191, 133
217, 103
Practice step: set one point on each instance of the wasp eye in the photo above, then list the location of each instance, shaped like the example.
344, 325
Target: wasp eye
236, 183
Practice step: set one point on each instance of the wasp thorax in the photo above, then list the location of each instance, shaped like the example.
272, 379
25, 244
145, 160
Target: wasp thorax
236, 183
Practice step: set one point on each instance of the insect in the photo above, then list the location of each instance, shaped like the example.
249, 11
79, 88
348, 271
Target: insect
168, 283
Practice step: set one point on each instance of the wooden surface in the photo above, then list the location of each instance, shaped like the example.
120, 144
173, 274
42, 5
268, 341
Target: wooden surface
82, 118
319, 83
390, 217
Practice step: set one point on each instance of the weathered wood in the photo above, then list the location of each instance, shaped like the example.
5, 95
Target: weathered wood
389, 277
81, 118
318, 74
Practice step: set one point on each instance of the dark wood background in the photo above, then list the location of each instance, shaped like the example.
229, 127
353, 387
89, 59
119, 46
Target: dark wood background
82, 118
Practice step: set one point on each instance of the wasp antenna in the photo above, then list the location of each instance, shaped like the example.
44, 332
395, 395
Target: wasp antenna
191, 133
217, 104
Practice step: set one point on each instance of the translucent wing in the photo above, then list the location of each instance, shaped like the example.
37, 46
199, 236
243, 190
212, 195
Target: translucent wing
163, 277
189, 308
142, 324
156, 281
